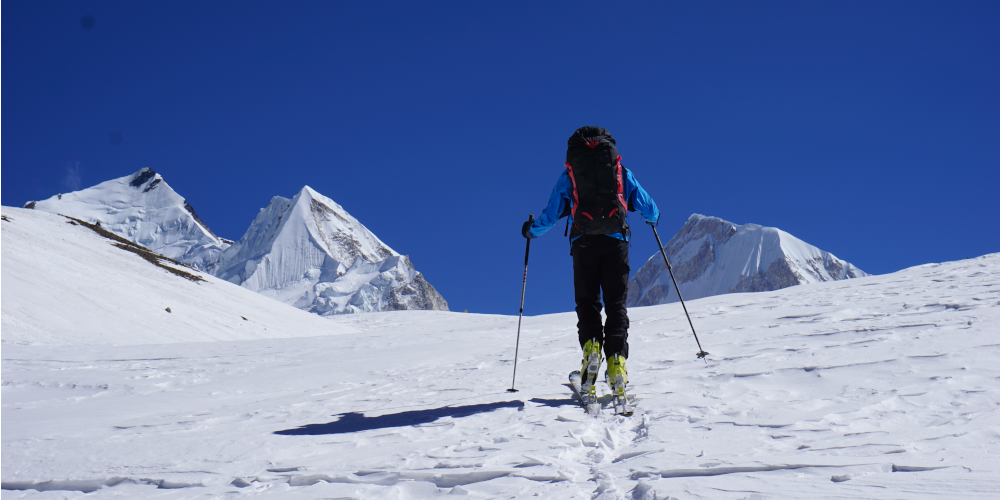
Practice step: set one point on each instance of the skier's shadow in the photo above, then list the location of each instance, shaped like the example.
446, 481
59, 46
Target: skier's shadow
356, 422
556, 403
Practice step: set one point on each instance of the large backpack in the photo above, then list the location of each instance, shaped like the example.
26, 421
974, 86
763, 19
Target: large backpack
597, 178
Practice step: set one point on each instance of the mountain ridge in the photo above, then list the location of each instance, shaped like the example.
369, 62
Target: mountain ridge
306, 251
712, 256
144, 209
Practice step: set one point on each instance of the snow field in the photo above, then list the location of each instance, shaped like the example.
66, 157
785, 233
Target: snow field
877, 387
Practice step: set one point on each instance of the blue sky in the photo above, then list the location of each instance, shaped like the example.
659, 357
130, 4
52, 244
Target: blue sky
868, 129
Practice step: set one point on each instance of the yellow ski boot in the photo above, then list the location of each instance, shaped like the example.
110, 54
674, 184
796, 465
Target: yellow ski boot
617, 377
588, 372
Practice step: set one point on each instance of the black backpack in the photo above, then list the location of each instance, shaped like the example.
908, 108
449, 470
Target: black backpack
598, 181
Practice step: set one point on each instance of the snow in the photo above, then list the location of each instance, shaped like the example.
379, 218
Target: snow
142, 208
875, 387
711, 256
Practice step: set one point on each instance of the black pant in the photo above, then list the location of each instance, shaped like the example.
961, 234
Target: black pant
600, 263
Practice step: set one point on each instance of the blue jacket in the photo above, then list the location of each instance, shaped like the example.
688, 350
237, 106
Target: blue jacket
562, 198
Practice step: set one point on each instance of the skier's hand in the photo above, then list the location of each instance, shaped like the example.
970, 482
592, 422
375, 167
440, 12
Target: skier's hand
526, 227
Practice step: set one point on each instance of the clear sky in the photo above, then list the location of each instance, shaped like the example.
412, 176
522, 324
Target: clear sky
868, 129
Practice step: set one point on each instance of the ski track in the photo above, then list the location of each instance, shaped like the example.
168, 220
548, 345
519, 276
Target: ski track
878, 387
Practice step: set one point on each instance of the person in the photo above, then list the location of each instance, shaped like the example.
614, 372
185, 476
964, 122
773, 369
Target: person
595, 191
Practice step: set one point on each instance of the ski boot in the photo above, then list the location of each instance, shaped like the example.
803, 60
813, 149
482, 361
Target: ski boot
617, 377
588, 372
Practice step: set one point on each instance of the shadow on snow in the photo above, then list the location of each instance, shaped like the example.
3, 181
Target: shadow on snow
556, 403
356, 422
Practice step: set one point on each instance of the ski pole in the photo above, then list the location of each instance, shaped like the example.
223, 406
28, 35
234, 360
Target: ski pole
701, 352
524, 282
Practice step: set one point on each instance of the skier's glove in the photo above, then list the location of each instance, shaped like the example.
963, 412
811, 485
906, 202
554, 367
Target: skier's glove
526, 227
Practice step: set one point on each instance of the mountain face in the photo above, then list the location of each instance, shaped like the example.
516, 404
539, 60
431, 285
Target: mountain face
310, 253
142, 208
307, 251
711, 256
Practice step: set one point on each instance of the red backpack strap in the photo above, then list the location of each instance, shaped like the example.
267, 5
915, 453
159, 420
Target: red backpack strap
576, 195
621, 182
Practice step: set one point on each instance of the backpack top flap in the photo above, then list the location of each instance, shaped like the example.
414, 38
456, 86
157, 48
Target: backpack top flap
589, 138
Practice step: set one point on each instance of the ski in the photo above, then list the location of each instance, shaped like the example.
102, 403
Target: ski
589, 402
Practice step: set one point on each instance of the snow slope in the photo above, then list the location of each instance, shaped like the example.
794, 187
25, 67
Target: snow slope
711, 256
142, 208
310, 253
876, 387
65, 284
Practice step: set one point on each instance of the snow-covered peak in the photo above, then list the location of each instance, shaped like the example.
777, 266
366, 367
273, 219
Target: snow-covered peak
309, 219
143, 208
711, 256
343, 235
309, 252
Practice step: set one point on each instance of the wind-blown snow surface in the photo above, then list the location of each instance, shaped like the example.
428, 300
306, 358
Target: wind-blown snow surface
142, 208
877, 387
711, 256
310, 253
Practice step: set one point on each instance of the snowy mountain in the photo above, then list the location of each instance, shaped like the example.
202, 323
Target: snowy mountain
711, 256
144, 209
310, 253
882, 387
66, 284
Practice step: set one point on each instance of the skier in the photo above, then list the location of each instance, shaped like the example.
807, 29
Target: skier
595, 190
